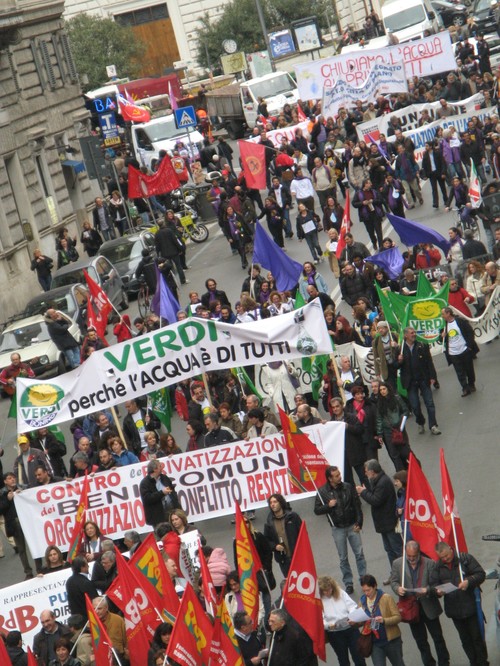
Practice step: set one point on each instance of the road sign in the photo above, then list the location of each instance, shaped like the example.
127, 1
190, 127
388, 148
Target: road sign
109, 129
185, 117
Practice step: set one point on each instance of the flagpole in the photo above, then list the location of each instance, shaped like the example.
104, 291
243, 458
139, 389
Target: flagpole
118, 426
82, 632
452, 516
207, 392
403, 563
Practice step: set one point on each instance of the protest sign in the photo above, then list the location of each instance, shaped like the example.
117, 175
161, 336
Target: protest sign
381, 79
22, 604
275, 136
208, 483
163, 357
422, 57
487, 326
424, 315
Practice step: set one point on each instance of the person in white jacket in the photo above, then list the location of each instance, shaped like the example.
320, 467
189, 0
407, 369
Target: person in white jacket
342, 636
280, 383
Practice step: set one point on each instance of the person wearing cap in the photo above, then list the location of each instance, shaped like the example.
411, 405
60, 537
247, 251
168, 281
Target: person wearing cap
27, 461
385, 354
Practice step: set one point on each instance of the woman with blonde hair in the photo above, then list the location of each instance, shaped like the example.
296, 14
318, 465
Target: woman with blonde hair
331, 250
473, 279
342, 636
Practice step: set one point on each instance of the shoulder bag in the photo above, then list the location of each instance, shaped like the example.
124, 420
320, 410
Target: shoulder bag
408, 606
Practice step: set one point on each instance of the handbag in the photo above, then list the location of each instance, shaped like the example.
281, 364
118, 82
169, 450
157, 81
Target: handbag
409, 609
365, 642
397, 437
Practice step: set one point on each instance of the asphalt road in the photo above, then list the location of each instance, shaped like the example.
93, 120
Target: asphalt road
470, 440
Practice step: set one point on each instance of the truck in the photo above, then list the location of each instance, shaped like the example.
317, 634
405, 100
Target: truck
411, 19
236, 104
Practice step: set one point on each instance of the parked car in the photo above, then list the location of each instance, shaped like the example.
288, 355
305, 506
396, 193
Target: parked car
102, 271
125, 254
482, 12
451, 13
30, 338
70, 299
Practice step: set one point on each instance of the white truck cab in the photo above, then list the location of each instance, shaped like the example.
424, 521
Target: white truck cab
162, 134
277, 89
410, 19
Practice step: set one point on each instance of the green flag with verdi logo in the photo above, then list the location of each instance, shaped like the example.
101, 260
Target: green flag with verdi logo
160, 405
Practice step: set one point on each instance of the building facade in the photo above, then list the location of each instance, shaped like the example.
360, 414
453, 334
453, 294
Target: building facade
43, 184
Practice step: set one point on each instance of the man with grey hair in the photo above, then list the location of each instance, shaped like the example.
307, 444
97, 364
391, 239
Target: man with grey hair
381, 496
115, 627
417, 571
104, 571
81, 465
157, 494
291, 645
132, 541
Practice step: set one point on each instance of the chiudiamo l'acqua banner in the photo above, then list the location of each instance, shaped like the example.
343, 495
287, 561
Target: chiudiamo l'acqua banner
208, 483
164, 357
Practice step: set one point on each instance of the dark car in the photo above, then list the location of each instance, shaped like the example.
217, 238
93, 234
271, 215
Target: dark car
483, 14
125, 254
451, 13
70, 299
102, 271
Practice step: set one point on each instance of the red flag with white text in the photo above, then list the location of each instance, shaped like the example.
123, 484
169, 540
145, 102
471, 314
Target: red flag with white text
191, 638
450, 511
306, 463
301, 596
247, 567
141, 619
100, 305
422, 510
222, 650
161, 182
253, 162
80, 516
345, 227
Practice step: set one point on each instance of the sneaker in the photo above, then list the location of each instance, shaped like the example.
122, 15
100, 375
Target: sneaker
349, 589
435, 430
315, 262
421, 429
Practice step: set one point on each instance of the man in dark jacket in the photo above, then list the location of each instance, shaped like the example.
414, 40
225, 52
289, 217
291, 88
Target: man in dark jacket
169, 246
14, 646
352, 248
435, 170
44, 641
53, 448
216, 435
291, 646
213, 294
460, 349
157, 494
472, 247
78, 585
417, 573
137, 423
12, 524
460, 605
417, 375
247, 638
340, 502
57, 326
353, 285
381, 496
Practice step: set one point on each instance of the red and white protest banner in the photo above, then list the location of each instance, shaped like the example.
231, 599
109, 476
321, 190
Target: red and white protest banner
276, 136
208, 483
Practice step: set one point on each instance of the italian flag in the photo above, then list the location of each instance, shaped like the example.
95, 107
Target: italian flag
474, 187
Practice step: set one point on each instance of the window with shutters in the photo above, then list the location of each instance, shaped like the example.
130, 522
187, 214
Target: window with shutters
38, 66
68, 57
47, 61
144, 15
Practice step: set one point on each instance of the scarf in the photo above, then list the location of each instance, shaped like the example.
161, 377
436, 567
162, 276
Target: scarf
360, 412
311, 278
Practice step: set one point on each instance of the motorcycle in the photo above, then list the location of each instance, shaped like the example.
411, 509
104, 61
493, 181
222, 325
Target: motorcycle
494, 574
183, 203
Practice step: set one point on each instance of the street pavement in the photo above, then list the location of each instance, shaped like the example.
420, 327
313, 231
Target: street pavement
470, 440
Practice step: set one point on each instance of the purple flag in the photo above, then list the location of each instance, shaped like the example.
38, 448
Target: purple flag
413, 233
286, 271
164, 303
390, 260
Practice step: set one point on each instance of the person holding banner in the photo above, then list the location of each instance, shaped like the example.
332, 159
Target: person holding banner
460, 349
464, 574
412, 588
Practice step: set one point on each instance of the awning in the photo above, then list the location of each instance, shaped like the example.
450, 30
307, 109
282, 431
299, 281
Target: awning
76, 165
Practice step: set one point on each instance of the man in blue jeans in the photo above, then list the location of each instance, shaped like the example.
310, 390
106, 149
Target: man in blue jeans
57, 326
339, 501
417, 375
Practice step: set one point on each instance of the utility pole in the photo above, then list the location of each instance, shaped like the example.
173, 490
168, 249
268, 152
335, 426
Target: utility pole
264, 32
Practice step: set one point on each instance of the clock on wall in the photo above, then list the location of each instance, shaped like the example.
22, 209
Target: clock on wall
229, 46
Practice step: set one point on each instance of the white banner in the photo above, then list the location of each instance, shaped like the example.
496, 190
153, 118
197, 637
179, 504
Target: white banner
422, 57
275, 136
164, 357
208, 483
410, 115
487, 326
22, 604
382, 79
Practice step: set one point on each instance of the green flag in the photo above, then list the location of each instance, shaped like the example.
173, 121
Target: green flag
424, 287
318, 370
12, 408
161, 407
243, 378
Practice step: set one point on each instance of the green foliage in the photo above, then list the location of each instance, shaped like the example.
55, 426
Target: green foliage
240, 21
97, 42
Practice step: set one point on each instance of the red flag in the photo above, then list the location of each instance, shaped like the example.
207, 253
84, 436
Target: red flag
248, 563
301, 596
189, 644
4, 657
77, 533
450, 511
101, 643
207, 583
95, 320
253, 161
345, 227
32, 659
422, 510
163, 181
100, 303
148, 561
141, 620
300, 113
305, 462
180, 168
132, 112
224, 648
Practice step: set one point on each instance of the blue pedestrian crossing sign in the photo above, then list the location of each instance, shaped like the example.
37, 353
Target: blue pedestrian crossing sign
185, 117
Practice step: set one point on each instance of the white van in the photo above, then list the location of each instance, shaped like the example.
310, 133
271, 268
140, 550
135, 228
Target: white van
162, 134
408, 20
277, 89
